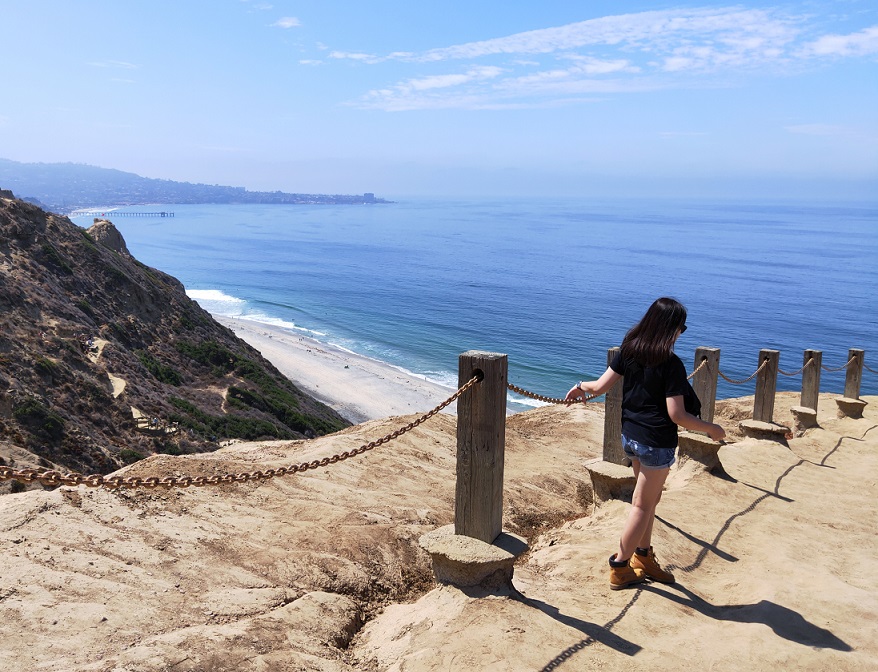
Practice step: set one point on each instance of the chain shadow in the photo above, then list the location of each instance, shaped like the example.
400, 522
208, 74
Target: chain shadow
712, 546
838, 445
593, 632
785, 622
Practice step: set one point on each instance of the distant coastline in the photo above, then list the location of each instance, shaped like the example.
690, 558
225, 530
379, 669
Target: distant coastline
67, 187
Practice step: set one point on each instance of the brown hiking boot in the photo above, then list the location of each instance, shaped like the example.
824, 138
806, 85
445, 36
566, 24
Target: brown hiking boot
649, 565
624, 576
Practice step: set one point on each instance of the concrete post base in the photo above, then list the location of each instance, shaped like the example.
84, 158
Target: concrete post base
698, 448
803, 418
850, 408
610, 481
465, 562
756, 429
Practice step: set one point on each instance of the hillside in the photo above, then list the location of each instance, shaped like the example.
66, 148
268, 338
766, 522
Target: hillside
104, 360
64, 187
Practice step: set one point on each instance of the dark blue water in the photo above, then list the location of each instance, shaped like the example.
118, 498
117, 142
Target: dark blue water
552, 283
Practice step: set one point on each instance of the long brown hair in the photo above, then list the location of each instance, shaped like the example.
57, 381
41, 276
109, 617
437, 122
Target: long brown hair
651, 341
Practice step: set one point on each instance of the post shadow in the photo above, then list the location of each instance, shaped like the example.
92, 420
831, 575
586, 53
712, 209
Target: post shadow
785, 622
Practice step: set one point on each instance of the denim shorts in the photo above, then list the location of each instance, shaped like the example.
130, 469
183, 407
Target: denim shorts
649, 457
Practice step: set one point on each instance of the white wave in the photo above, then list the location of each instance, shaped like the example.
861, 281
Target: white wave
525, 401
255, 316
212, 295
217, 302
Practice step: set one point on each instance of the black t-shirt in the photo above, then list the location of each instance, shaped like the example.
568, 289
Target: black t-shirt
644, 399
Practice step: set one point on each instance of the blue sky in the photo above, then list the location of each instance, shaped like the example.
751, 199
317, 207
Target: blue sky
454, 98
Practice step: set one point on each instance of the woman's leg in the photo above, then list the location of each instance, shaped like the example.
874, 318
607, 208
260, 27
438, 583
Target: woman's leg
647, 493
646, 539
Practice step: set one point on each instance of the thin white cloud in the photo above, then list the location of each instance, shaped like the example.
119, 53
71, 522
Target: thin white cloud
354, 56
444, 81
627, 52
734, 30
114, 64
589, 65
287, 22
310, 61
862, 43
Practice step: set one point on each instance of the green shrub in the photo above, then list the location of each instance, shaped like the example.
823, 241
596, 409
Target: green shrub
31, 412
161, 372
129, 456
46, 367
210, 353
89, 243
56, 259
224, 426
85, 307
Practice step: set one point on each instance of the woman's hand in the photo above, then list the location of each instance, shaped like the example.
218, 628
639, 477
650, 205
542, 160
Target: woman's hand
679, 416
716, 432
574, 393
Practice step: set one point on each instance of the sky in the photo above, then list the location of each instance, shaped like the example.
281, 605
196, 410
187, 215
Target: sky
479, 98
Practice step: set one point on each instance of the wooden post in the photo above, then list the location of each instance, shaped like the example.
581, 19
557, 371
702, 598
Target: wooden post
481, 441
811, 379
704, 381
854, 373
766, 386
613, 418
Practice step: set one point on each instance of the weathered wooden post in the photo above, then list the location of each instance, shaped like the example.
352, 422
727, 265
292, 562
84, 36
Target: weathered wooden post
850, 405
854, 373
762, 425
705, 379
475, 550
691, 445
611, 477
811, 378
766, 386
805, 414
613, 418
481, 443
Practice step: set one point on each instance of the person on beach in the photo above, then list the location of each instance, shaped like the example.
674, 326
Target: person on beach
654, 394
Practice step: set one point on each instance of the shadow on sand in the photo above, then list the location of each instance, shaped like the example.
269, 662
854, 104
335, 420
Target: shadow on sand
785, 622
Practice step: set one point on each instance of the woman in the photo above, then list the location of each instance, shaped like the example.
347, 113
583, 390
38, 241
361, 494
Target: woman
652, 407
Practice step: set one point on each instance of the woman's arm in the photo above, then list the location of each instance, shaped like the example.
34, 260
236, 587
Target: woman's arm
595, 387
679, 416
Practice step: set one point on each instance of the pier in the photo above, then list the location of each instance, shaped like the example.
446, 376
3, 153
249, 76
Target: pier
113, 213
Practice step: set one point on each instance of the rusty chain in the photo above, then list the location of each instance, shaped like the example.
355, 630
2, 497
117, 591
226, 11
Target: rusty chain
868, 369
549, 400
839, 368
796, 373
53, 478
553, 400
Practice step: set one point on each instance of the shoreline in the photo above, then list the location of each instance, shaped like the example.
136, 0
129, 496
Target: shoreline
358, 388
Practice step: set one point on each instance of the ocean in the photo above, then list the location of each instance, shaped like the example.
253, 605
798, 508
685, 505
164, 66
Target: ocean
553, 283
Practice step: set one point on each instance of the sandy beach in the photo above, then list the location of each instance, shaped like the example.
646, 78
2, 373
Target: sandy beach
358, 387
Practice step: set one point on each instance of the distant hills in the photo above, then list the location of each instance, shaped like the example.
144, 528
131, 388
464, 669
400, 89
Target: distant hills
64, 187
104, 360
